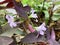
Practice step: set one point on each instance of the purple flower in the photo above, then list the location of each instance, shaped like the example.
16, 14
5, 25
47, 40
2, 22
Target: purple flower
33, 14
41, 29
11, 21
10, 18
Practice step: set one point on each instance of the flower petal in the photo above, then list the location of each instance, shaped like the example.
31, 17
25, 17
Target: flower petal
41, 32
13, 24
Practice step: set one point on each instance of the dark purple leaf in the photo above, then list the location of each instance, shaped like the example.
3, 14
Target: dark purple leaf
27, 8
21, 11
31, 38
52, 40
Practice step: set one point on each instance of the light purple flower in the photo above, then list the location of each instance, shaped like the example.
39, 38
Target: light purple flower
10, 18
33, 14
41, 29
11, 21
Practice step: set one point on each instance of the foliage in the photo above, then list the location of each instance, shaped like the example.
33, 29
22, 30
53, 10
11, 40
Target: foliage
27, 19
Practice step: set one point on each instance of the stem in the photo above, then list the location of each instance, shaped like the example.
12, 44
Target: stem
1, 31
30, 28
50, 14
49, 21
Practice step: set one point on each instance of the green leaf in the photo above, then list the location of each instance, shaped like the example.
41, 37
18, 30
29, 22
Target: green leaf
9, 32
31, 3
46, 16
56, 16
24, 2
57, 3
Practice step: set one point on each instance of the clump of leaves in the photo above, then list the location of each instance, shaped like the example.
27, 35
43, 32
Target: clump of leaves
44, 11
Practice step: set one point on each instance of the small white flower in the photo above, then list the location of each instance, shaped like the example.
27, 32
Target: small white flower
56, 7
36, 20
10, 10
